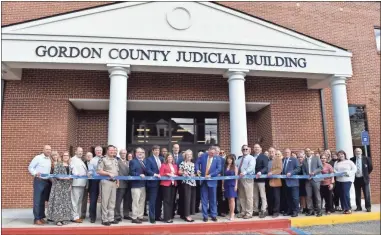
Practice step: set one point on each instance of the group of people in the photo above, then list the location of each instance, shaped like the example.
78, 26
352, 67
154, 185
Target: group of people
245, 196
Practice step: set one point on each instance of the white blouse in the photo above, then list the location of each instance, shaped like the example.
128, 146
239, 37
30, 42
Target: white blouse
345, 166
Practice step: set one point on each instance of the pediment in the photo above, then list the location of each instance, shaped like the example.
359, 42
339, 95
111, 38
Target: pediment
170, 22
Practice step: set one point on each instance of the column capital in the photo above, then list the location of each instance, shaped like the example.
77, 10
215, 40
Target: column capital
118, 69
338, 80
236, 74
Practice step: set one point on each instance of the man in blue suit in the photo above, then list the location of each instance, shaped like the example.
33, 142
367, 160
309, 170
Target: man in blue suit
209, 166
153, 164
290, 168
138, 187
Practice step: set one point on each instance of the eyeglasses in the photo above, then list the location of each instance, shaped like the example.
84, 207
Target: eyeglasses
245, 149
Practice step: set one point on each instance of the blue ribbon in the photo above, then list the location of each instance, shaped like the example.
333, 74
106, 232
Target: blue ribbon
97, 177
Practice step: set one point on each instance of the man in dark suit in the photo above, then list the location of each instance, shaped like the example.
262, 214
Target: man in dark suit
208, 166
290, 168
261, 168
178, 159
153, 164
138, 187
222, 204
312, 166
122, 192
364, 168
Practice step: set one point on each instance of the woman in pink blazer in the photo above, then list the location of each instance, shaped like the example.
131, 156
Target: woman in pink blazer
168, 168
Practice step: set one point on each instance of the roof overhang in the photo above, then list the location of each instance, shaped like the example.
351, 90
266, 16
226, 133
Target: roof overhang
166, 34
166, 105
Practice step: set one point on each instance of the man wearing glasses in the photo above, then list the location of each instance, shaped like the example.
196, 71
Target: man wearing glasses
246, 166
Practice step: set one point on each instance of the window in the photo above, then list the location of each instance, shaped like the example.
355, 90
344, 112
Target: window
359, 123
377, 33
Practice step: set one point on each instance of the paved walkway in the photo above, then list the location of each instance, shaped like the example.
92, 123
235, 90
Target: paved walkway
23, 218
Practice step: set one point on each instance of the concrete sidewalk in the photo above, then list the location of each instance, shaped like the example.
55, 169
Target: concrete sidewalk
23, 218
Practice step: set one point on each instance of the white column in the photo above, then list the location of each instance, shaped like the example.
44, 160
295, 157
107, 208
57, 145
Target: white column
341, 119
237, 107
117, 121
341, 116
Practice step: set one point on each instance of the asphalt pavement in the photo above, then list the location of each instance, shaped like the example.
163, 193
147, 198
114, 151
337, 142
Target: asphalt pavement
366, 227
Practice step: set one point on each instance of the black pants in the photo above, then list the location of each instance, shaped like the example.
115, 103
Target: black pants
336, 195
360, 184
198, 196
168, 198
284, 195
122, 194
222, 204
273, 199
94, 194
189, 199
269, 196
326, 194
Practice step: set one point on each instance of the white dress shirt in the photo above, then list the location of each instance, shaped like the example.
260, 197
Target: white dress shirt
40, 164
78, 167
94, 165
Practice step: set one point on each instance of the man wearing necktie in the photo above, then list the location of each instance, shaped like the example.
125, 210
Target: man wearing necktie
177, 159
208, 166
290, 168
123, 193
312, 166
138, 187
364, 168
153, 164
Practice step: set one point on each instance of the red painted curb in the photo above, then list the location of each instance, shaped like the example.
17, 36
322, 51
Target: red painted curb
209, 227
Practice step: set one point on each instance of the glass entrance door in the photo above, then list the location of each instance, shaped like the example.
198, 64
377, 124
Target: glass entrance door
195, 131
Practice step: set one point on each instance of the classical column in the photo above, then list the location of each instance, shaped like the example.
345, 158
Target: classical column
117, 121
237, 108
343, 132
341, 115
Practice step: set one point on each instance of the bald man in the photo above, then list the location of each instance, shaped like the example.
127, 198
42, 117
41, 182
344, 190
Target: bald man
41, 164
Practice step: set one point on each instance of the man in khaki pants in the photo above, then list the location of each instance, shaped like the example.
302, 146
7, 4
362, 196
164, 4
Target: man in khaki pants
246, 165
261, 165
108, 166
138, 189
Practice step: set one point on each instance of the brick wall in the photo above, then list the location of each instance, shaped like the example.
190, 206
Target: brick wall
346, 24
263, 127
92, 129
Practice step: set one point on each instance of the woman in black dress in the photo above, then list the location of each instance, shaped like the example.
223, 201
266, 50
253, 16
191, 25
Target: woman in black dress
60, 206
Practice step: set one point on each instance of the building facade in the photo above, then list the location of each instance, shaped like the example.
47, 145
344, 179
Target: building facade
195, 73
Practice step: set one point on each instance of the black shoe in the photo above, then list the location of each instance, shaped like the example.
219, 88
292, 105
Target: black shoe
114, 222
287, 214
223, 215
152, 221
358, 209
127, 218
205, 219
118, 219
319, 214
143, 219
136, 221
92, 221
214, 219
106, 223
159, 219
275, 215
310, 213
255, 213
294, 214
182, 217
368, 209
262, 214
